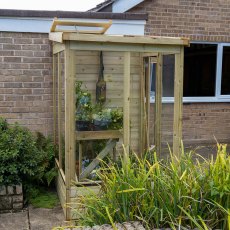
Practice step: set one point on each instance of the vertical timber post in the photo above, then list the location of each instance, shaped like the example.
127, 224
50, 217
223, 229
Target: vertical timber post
142, 103
126, 105
158, 104
69, 125
178, 104
59, 112
54, 101
147, 96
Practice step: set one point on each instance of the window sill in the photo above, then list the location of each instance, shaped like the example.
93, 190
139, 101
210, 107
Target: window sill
195, 99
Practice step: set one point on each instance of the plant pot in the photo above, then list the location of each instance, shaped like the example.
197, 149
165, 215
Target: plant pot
83, 125
100, 125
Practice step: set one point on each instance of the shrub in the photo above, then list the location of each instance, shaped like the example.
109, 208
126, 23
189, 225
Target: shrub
24, 157
18, 154
188, 192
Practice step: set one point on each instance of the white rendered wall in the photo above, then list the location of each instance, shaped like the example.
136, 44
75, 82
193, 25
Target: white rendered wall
38, 25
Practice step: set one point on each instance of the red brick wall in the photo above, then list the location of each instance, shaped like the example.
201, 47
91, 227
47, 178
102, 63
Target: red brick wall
199, 20
26, 80
203, 20
203, 122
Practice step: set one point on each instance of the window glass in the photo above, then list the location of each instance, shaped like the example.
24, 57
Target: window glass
200, 70
167, 78
225, 82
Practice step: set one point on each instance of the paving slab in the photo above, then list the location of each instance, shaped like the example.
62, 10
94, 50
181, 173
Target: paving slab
14, 221
46, 219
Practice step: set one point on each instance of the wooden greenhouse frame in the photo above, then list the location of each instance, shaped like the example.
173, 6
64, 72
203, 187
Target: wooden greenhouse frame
130, 52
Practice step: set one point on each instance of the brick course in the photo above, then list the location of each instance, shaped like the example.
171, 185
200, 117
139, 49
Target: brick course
199, 20
203, 123
26, 80
26, 69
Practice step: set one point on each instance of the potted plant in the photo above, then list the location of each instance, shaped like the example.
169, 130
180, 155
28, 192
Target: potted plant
83, 109
116, 119
102, 119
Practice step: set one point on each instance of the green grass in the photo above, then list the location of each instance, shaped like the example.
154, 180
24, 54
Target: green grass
41, 198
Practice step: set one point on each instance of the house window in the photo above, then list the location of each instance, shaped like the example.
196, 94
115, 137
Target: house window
200, 70
206, 74
225, 80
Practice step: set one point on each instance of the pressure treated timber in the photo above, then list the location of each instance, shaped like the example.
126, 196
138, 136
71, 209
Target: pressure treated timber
54, 100
76, 195
61, 191
158, 104
103, 25
178, 104
80, 158
167, 49
69, 121
58, 47
127, 89
98, 135
56, 37
108, 148
59, 109
116, 59
147, 96
126, 105
60, 169
126, 39
142, 110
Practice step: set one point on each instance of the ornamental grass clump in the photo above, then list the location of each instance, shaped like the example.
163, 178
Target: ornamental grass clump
190, 192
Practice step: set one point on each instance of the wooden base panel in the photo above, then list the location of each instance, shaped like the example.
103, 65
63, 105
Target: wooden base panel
76, 192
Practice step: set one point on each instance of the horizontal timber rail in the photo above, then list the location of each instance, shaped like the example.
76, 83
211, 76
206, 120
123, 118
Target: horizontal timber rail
98, 135
61, 36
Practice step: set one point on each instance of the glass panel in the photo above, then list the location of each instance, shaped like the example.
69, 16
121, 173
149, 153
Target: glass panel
99, 90
200, 70
167, 108
168, 76
99, 105
225, 81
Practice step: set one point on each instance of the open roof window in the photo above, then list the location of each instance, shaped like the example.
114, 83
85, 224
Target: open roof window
200, 70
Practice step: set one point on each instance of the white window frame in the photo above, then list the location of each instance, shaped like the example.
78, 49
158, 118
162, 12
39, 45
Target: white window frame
218, 97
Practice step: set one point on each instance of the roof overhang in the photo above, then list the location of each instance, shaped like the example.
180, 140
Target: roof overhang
150, 40
71, 14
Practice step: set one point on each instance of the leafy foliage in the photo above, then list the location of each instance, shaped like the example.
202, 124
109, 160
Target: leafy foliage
18, 154
24, 157
188, 192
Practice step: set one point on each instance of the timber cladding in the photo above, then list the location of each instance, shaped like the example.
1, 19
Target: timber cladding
201, 20
26, 80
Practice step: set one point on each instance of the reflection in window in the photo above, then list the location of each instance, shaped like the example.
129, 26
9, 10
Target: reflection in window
200, 70
167, 78
225, 82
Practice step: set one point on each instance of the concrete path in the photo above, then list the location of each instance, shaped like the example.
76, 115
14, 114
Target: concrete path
33, 219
